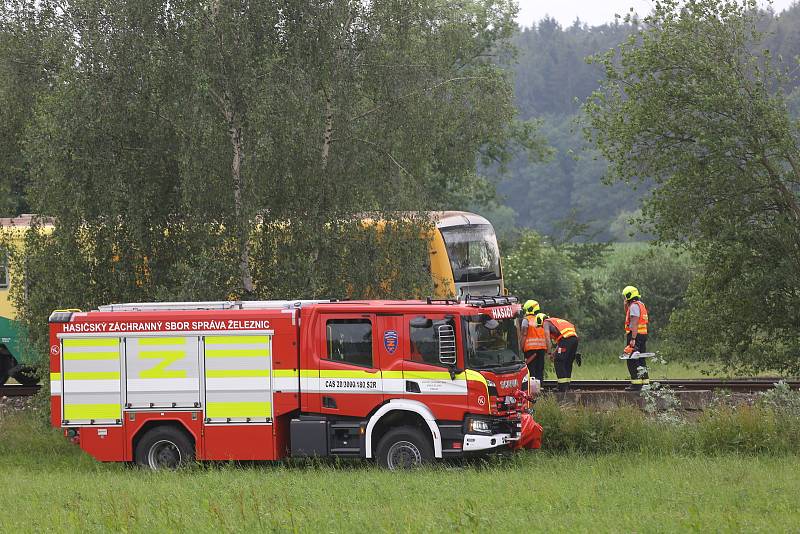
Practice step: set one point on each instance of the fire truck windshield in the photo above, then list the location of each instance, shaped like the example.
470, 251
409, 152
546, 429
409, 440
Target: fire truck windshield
489, 348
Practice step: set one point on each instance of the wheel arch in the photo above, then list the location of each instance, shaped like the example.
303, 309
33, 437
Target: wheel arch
397, 412
156, 423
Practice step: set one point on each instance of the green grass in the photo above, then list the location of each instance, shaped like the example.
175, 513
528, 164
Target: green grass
49, 485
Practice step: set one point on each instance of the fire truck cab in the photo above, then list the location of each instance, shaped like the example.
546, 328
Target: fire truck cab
402, 382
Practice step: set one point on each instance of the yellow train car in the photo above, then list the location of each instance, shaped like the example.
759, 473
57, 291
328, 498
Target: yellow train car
464, 256
13, 234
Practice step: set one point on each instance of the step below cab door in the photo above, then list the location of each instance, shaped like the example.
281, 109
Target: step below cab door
349, 382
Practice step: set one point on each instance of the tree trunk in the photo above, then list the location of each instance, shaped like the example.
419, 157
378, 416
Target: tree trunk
242, 225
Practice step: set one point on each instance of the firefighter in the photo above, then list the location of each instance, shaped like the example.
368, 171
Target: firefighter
636, 320
563, 335
534, 345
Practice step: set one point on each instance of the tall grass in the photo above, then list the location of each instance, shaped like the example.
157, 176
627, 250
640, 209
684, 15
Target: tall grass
598, 472
743, 429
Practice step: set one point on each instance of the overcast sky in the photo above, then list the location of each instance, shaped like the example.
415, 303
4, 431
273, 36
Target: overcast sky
593, 12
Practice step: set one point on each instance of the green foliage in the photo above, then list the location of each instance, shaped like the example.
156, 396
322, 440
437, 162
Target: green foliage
694, 104
583, 282
215, 150
743, 429
536, 269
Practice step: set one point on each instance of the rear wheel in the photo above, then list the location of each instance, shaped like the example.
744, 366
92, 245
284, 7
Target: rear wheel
404, 448
164, 447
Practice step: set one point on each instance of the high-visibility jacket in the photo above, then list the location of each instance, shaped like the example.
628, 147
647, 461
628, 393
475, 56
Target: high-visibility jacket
642, 326
565, 328
534, 337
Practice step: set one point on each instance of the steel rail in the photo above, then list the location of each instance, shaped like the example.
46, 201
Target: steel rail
738, 385
18, 390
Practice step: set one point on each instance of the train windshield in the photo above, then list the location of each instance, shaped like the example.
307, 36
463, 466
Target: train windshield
473, 252
492, 344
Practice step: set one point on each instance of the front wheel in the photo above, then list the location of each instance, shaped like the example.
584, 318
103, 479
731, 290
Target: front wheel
404, 448
164, 447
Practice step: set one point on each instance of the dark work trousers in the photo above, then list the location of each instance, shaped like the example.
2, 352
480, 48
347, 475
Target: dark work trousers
536, 367
638, 377
565, 356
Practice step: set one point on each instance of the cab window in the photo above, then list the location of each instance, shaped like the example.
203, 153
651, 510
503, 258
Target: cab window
425, 341
350, 341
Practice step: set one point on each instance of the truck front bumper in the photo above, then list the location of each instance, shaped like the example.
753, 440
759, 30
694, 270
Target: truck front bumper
482, 442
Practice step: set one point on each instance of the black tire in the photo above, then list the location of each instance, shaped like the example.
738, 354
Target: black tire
404, 448
164, 447
25, 375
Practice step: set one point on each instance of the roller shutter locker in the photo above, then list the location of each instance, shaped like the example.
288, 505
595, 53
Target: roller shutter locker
238, 379
91, 381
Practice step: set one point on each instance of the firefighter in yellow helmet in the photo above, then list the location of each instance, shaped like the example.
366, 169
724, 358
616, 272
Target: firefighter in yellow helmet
563, 335
636, 320
533, 344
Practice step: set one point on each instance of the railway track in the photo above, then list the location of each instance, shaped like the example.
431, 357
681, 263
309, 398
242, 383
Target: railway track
737, 385
16, 390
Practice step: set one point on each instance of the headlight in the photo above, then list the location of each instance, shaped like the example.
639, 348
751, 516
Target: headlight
477, 425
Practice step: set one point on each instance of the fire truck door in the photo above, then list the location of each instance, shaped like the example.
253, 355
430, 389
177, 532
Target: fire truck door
392, 348
426, 379
349, 382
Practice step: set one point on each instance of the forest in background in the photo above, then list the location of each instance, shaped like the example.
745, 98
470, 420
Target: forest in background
552, 80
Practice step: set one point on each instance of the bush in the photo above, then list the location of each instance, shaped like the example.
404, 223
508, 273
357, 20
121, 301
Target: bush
535, 269
763, 428
583, 283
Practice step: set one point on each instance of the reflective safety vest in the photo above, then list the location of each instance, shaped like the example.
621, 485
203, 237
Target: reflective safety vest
534, 337
642, 327
565, 328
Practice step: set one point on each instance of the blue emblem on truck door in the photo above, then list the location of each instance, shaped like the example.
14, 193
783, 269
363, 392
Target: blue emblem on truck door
390, 341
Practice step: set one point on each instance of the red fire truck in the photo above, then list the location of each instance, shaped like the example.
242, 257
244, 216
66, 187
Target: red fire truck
402, 382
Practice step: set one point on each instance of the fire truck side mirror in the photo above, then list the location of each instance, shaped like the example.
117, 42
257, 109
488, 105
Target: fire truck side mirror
447, 344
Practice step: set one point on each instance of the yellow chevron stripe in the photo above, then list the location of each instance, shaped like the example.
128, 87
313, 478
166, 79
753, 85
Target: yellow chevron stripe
235, 340
92, 411
237, 353
236, 373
